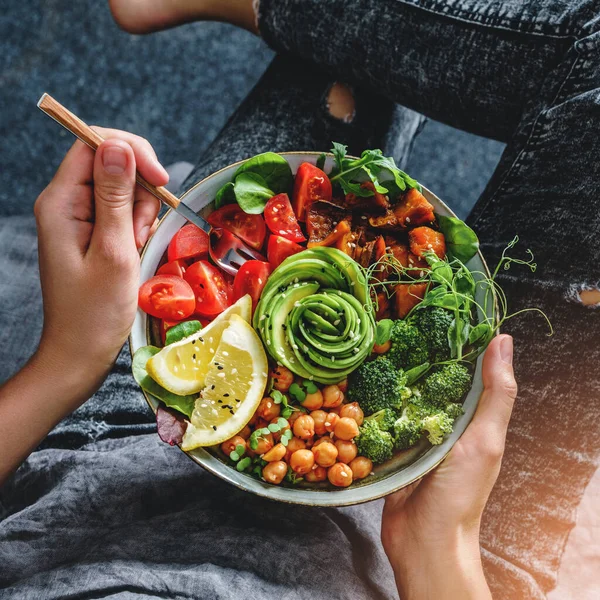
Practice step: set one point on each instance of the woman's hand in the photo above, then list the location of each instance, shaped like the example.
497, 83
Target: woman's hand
91, 221
430, 531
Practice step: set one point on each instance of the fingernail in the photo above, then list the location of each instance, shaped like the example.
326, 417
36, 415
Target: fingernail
143, 235
114, 160
506, 349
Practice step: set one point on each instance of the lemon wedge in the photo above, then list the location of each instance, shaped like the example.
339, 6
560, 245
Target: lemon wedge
182, 367
234, 386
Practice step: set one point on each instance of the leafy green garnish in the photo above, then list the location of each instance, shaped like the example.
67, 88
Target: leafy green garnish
244, 464
461, 240
225, 195
183, 404
251, 193
321, 161
383, 331
273, 170
350, 173
182, 330
297, 393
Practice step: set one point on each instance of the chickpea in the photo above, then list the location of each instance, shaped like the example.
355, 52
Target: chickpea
346, 429
277, 434
252, 422
322, 440
282, 378
245, 433
302, 461
319, 417
354, 411
332, 396
335, 410
361, 467
347, 451
310, 442
325, 454
332, 420
343, 385
293, 445
267, 409
316, 475
382, 348
292, 418
340, 475
265, 443
304, 427
276, 453
274, 472
228, 446
313, 401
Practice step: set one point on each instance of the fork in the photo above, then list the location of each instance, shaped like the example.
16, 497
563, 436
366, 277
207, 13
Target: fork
227, 250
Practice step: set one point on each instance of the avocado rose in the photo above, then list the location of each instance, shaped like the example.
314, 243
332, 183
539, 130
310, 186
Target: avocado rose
315, 316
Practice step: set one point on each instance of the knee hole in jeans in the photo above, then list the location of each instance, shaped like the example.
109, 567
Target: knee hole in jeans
340, 102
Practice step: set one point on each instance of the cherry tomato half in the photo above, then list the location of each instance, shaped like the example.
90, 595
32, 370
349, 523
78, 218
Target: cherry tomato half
175, 267
249, 228
311, 184
281, 220
251, 279
209, 287
189, 242
279, 249
167, 297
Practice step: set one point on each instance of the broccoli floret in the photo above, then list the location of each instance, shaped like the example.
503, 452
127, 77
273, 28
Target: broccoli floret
437, 426
433, 323
448, 384
373, 442
409, 346
377, 385
385, 418
407, 430
454, 410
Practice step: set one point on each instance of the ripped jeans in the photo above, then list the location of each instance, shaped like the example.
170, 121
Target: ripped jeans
527, 74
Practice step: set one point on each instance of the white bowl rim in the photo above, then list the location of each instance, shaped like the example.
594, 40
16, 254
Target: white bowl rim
364, 491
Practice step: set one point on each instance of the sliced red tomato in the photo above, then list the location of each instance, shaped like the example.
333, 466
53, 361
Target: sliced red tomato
189, 242
209, 287
279, 249
251, 279
281, 220
167, 297
175, 267
249, 228
311, 184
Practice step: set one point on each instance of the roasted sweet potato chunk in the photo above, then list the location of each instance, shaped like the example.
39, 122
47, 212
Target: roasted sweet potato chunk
376, 201
385, 221
422, 239
414, 210
347, 243
406, 297
338, 232
383, 306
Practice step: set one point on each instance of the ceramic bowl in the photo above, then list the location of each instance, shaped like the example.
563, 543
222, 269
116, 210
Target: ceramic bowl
405, 468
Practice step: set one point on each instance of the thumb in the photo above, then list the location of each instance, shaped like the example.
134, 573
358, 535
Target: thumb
114, 187
500, 388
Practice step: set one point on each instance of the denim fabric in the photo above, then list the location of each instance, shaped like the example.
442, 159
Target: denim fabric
132, 517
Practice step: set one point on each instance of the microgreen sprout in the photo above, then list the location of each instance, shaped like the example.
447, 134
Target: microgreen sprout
236, 454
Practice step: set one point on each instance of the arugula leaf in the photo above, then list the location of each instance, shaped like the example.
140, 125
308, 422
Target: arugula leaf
182, 330
251, 193
184, 404
349, 173
461, 240
272, 168
383, 331
225, 195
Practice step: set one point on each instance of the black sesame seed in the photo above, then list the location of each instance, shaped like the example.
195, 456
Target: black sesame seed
214, 427
231, 411
226, 395
193, 341
219, 367
194, 356
212, 387
202, 285
202, 340
220, 401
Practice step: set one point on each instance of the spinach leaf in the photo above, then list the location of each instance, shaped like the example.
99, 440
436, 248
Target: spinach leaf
383, 331
182, 330
184, 404
251, 193
461, 240
272, 168
225, 195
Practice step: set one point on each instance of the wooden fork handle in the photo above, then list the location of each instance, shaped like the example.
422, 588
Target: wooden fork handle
93, 139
